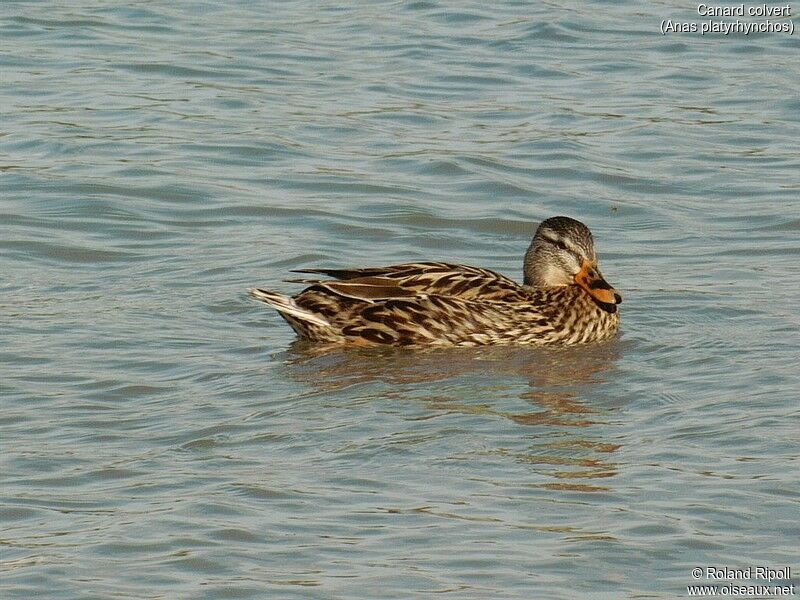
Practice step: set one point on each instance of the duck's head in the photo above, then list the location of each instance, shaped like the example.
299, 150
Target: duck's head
562, 253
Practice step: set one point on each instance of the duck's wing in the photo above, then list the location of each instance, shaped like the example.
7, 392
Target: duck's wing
445, 320
414, 304
412, 279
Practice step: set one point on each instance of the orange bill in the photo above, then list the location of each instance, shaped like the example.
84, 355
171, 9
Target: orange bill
590, 279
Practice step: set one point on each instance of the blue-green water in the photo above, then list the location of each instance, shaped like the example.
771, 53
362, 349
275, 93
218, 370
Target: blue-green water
162, 437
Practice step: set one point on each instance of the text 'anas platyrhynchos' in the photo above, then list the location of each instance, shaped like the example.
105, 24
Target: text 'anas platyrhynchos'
563, 299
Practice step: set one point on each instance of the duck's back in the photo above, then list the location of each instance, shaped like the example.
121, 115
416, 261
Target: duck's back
406, 280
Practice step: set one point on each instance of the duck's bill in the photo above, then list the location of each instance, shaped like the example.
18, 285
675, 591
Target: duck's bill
590, 279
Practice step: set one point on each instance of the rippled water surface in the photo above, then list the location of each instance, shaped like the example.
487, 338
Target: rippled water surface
164, 437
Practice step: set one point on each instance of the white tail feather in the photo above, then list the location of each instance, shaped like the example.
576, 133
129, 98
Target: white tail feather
286, 305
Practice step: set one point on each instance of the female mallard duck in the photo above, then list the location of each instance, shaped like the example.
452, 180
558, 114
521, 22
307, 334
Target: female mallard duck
563, 300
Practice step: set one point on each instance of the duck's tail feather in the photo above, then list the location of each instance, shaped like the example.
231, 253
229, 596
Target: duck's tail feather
288, 308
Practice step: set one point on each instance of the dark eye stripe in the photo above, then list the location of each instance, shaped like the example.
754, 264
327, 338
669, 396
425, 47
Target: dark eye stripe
561, 245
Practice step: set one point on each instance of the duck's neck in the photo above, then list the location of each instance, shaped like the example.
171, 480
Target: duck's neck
540, 269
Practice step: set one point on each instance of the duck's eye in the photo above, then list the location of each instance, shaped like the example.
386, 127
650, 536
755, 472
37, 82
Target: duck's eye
560, 245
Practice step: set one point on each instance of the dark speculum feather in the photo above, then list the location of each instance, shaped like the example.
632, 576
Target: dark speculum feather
368, 291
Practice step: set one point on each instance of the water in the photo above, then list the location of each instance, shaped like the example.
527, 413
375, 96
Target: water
162, 435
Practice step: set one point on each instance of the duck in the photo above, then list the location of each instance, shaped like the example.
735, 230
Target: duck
563, 299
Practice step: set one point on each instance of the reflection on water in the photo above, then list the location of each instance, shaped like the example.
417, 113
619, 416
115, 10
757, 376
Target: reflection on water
557, 386
543, 368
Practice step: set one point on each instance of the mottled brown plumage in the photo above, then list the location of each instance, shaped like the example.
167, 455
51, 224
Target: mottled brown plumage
564, 300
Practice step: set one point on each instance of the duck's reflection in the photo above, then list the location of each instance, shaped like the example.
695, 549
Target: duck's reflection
562, 386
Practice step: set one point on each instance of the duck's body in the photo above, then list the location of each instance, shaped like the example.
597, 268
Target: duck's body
440, 304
